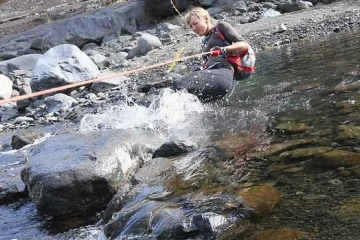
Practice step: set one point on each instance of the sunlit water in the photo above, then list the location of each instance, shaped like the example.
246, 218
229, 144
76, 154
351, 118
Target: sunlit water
288, 79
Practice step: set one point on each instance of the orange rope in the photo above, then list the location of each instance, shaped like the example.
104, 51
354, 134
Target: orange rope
79, 84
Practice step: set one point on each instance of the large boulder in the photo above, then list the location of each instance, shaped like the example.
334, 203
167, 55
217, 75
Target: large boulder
79, 30
62, 65
165, 8
26, 62
6, 87
73, 173
94, 26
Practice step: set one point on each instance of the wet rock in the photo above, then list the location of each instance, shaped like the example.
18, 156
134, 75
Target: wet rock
9, 112
152, 218
349, 132
338, 158
153, 171
148, 42
164, 8
291, 128
281, 147
345, 88
6, 87
346, 107
145, 88
11, 186
283, 234
18, 141
237, 144
261, 198
237, 231
62, 65
172, 149
86, 170
303, 153
350, 209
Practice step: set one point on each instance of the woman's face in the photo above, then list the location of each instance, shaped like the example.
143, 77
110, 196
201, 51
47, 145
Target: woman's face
198, 25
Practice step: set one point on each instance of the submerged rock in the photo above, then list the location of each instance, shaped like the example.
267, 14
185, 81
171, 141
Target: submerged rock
350, 209
338, 158
261, 198
283, 234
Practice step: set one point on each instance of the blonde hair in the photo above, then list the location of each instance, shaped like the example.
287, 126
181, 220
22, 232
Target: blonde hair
200, 13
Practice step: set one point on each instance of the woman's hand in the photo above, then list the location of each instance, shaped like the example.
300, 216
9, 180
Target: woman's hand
216, 51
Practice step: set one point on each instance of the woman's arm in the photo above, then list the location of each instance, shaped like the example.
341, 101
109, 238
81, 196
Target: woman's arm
238, 43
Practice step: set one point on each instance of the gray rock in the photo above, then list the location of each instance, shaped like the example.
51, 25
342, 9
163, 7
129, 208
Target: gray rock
58, 102
6, 87
89, 46
85, 171
286, 6
19, 141
100, 60
26, 62
8, 112
205, 3
167, 27
148, 42
94, 26
270, 13
109, 83
22, 119
240, 6
62, 65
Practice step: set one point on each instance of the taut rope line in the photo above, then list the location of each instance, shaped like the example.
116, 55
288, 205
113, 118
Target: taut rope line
82, 83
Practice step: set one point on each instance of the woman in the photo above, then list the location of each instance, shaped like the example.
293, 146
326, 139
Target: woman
230, 54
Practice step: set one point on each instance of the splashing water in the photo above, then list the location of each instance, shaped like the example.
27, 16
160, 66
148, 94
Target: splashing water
172, 116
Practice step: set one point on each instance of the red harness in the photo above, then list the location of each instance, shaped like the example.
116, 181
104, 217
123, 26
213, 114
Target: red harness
244, 61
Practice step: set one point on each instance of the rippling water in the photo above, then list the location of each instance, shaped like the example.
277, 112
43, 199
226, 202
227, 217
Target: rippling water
288, 79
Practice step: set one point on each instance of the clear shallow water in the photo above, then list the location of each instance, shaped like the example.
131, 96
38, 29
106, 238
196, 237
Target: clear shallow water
289, 80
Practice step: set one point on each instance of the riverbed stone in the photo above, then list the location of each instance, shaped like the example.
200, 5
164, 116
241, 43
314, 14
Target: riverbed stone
25, 62
283, 234
338, 158
350, 209
303, 154
73, 173
278, 148
261, 198
292, 127
349, 131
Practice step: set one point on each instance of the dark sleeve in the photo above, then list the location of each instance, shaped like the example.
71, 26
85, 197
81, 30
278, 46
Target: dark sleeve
230, 32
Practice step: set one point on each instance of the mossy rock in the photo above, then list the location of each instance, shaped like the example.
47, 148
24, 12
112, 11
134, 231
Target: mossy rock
349, 132
338, 158
282, 147
261, 198
282, 234
291, 128
350, 209
303, 153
